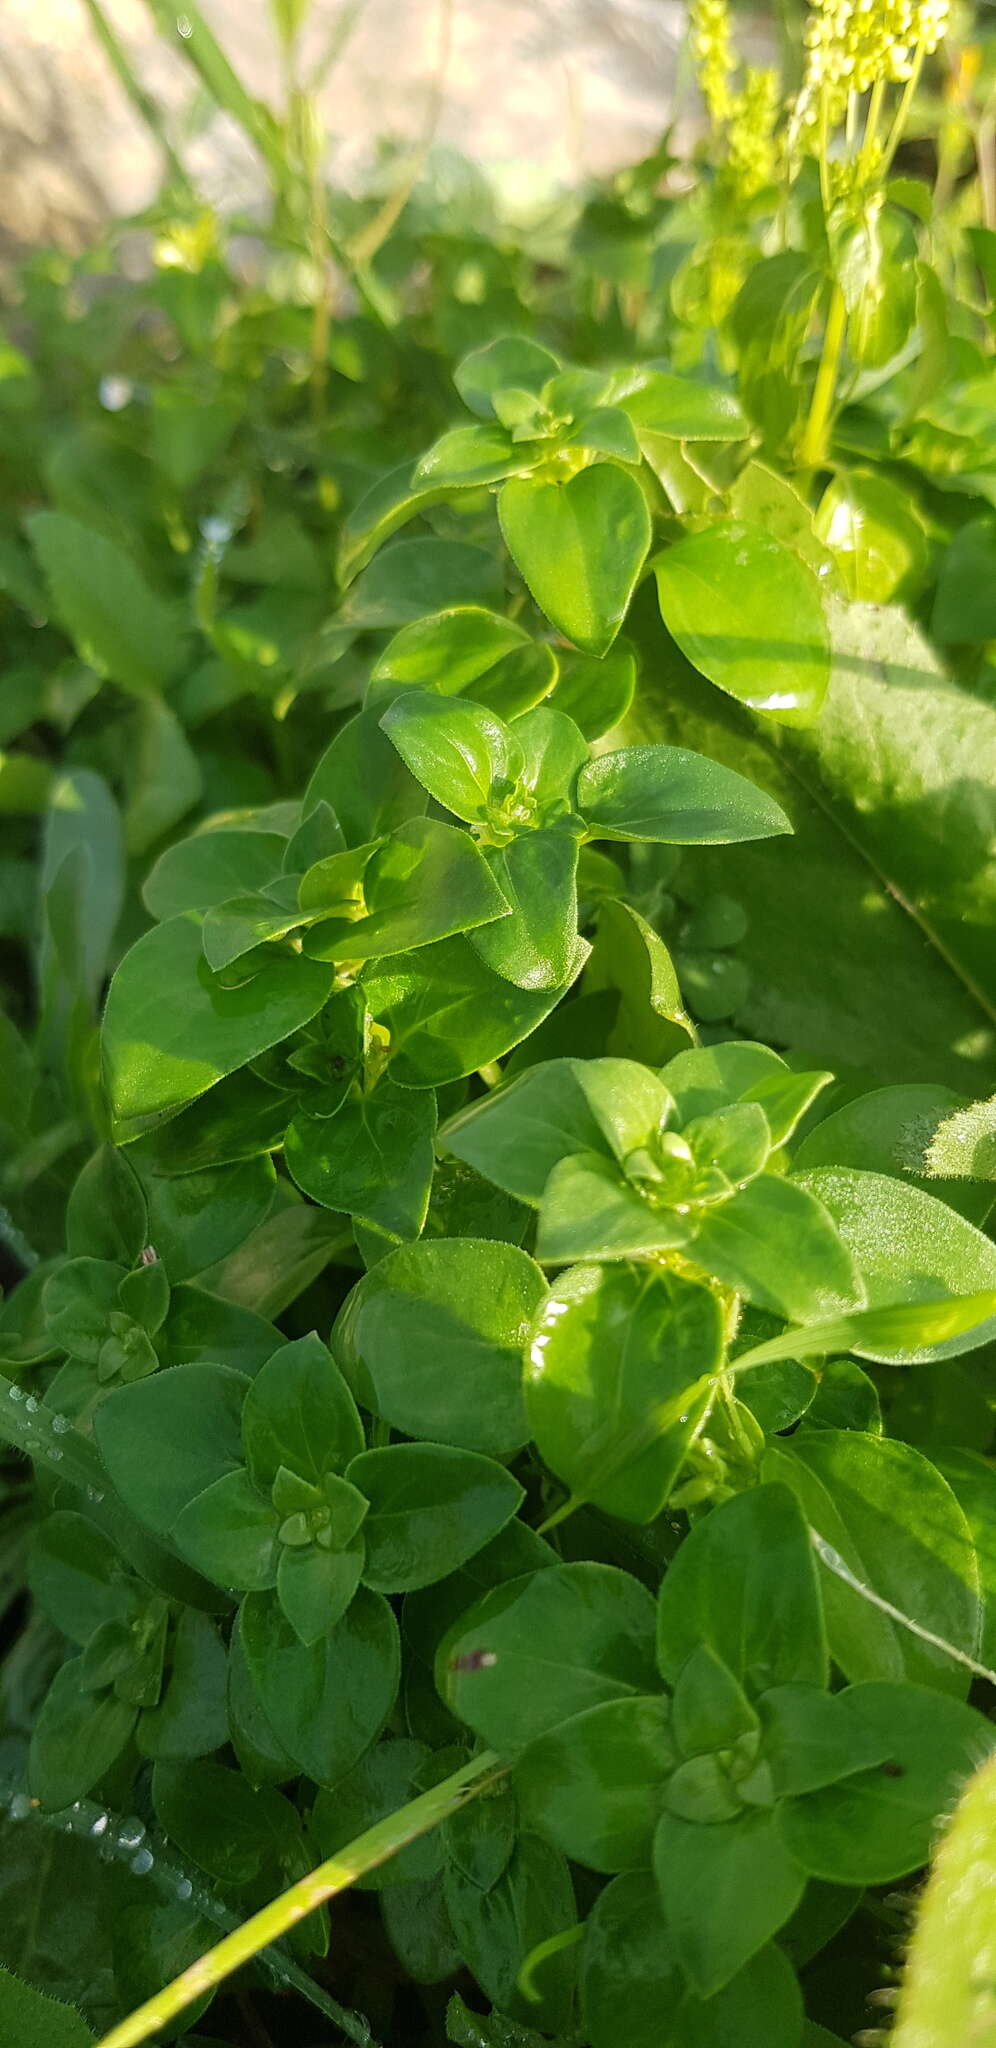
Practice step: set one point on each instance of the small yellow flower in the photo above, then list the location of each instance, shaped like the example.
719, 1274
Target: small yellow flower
712, 48
754, 114
852, 45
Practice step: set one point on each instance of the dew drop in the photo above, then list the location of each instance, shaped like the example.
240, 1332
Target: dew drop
142, 1863
100, 1825
20, 1806
184, 1889
16, 1394
31, 1405
131, 1834
60, 1424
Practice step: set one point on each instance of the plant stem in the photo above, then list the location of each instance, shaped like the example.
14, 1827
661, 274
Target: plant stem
813, 446
895, 135
142, 101
374, 1847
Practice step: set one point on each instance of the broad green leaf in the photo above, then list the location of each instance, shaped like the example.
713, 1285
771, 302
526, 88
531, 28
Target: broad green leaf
545, 1647
414, 577
119, 625
633, 1987
373, 1160
458, 751
973, 1483
672, 796
431, 1507
895, 1131
468, 456
239, 927
106, 1214
171, 1029
190, 1719
76, 1576
385, 1779
512, 361
744, 1583
281, 1258
594, 1786
228, 1532
810, 1739
449, 650
210, 868
615, 1355
82, 843
834, 953
364, 781
195, 1219
580, 547
424, 884
748, 614
432, 1340
518, 1134
165, 1439
479, 1838
165, 779
779, 1246
299, 1413
531, 1903
389, 503
880, 1824
596, 693
680, 408
590, 1211
893, 1524
965, 604
629, 958
536, 945
315, 1587
226, 1826
726, 1891
33, 2020
554, 749
327, 1701
448, 1015
875, 536
76, 1737
907, 1246
201, 1325
78, 1299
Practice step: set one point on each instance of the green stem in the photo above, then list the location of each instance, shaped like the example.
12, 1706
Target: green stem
813, 446
895, 135
369, 1850
872, 119
142, 101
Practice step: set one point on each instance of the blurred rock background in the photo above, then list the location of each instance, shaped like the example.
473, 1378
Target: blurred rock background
544, 89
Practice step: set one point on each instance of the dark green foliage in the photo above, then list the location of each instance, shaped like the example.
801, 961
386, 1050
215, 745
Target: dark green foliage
496, 1098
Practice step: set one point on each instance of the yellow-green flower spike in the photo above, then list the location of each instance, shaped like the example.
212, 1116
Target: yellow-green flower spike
715, 62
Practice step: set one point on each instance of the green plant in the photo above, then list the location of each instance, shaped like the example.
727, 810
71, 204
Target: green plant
498, 1043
